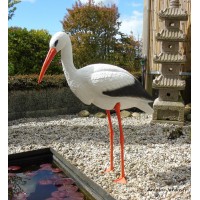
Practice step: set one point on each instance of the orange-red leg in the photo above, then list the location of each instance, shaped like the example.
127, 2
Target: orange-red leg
111, 168
121, 179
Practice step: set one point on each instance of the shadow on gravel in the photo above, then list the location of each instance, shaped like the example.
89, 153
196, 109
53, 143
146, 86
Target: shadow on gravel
176, 176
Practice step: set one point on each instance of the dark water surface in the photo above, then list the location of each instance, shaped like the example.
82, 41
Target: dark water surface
41, 182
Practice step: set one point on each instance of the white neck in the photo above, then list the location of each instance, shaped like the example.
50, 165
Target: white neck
67, 61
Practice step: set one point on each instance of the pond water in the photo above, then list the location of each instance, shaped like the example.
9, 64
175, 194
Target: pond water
41, 182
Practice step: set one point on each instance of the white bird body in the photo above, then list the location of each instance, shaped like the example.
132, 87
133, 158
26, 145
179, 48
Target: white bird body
89, 83
106, 86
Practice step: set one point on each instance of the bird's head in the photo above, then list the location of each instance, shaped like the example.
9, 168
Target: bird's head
57, 43
59, 40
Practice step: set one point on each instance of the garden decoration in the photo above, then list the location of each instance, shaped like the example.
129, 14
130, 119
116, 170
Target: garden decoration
167, 107
106, 86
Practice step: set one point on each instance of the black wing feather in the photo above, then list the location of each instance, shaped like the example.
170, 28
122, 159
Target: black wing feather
133, 90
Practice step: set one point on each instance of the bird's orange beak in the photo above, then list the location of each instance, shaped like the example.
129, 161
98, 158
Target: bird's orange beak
52, 52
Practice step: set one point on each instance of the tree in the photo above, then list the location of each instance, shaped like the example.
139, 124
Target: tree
96, 37
128, 52
93, 28
12, 8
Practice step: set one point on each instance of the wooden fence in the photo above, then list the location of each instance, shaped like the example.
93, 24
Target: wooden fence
152, 25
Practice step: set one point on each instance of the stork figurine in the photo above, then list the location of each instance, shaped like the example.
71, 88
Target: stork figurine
106, 86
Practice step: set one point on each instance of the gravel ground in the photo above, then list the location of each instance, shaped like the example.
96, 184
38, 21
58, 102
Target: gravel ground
157, 156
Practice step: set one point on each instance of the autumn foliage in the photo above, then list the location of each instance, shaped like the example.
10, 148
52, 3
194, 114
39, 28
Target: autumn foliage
96, 37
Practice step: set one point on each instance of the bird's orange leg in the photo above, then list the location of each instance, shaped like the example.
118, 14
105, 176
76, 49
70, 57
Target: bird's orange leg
111, 168
121, 179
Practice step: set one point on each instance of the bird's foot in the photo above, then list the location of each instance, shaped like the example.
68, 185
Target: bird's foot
121, 180
109, 169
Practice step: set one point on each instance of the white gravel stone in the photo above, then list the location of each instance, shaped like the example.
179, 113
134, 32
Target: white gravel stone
155, 166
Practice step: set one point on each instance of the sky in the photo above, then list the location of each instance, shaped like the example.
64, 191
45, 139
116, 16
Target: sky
47, 14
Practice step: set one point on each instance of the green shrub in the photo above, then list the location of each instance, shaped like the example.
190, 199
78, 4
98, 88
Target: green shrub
11, 69
29, 82
27, 51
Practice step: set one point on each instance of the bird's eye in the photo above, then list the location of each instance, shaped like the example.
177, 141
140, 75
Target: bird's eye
56, 42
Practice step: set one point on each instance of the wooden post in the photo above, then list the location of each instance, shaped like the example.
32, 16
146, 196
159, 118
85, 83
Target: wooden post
146, 44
